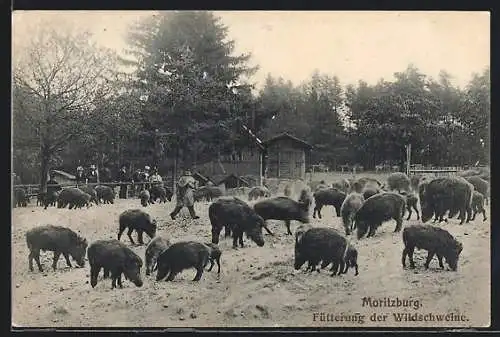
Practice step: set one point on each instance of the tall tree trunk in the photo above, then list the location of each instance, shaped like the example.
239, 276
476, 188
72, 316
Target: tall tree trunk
44, 170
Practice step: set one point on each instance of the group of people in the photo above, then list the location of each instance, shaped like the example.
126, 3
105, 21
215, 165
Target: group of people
142, 177
87, 176
184, 191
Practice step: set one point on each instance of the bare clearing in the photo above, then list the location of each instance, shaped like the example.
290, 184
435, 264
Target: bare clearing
257, 286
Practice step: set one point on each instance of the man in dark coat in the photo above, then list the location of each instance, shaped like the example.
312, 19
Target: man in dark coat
123, 178
92, 176
136, 179
53, 189
104, 175
80, 175
184, 195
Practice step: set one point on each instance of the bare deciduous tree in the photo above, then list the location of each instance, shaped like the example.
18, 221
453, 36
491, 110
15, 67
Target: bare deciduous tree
58, 79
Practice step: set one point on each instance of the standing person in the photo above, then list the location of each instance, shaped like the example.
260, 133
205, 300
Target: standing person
16, 179
104, 175
92, 175
123, 179
136, 178
155, 178
145, 176
80, 175
185, 187
52, 188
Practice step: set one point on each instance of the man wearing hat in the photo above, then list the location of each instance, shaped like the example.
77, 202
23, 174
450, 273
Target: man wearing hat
184, 195
155, 177
145, 176
53, 188
123, 178
80, 175
92, 175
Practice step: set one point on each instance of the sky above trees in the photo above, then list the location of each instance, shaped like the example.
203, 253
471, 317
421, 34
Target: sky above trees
351, 45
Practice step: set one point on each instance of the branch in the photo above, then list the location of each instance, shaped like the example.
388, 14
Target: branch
57, 143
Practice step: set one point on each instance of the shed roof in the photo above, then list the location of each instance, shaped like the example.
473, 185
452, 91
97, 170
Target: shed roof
294, 139
233, 176
199, 176
257, 140
64, 174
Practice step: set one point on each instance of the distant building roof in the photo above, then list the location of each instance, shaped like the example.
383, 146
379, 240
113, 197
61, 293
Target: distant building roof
235, 178
285, 135
200, 177
64, 174
253, 136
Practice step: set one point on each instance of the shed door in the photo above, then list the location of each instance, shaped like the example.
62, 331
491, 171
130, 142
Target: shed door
287, 159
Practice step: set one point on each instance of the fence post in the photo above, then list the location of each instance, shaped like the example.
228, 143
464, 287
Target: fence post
408, 159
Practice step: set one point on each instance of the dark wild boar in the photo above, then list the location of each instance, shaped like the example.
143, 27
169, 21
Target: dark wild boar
478, 205
411, 203
480, 185
153, 250
208, 193
350, 206
342, 185
135, 219
321, 244
90, 191
105, 194
180, 256
145, 197
72, 196
283, 208
398, 181
435, 240
160, 192
330, 196
378, 209
350, 261
57, 239
305, 197
116, 259
237, 217
369, 191
443, 194
258, 192
20, 197
215, 254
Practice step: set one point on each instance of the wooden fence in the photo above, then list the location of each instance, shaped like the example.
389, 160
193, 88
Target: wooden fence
33, 189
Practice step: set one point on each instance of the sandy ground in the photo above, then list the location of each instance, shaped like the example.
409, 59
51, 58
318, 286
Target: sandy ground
257, 287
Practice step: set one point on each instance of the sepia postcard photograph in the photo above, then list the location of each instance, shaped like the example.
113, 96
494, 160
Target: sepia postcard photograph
305, 169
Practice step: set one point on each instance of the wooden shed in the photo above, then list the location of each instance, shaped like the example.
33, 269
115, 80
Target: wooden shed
246, 160
64, 178
286, 157
233, 181
201, 179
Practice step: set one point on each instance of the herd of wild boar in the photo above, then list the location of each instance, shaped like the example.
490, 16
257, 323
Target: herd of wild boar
362, 204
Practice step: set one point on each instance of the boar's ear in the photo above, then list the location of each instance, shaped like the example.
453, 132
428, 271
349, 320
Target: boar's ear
133, 261
304, 205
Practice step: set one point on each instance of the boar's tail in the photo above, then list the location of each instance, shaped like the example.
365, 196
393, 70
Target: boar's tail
471, 194
362, 228
405, 236
298, 236
212, 213
403, 207
345, 249
345, 215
